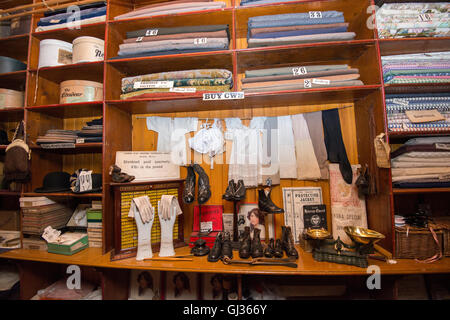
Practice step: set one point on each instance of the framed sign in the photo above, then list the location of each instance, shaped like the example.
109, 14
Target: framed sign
145, 285
252, 219
182, 286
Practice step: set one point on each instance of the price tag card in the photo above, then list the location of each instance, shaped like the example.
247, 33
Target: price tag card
151, 32
50, 234
401, 102
315, 14
200, 40
153, 84
80, 140
206, 226
307, 83
298, 71
139, 39
85, 180
223, 96
426, 17
320, 81
183, 90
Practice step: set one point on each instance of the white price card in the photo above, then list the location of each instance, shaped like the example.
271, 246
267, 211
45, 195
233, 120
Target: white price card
320, 81
298, 71
183, 90
139, 39
206, 226
223, 96
50, 234
151, 32
153, 84
426, 17
315, 14
80, 140
401, 102
85, 179
200, 40
307, 83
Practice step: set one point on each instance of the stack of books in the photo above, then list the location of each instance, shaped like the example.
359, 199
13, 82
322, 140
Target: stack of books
94, 221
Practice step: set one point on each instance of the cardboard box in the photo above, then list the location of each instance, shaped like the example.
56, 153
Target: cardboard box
69, 244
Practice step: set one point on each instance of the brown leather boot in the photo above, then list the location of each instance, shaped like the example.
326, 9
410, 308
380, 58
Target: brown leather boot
257, 248
245, 246
287, 241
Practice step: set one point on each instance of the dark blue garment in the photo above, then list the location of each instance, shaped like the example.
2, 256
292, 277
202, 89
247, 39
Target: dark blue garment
162, 53
83, 16
303, 32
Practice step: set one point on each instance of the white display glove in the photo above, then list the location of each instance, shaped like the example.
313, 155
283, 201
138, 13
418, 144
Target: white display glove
167, 225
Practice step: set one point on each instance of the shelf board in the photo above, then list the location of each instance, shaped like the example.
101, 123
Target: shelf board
79, 148
69, 66
194, 102
419, 190
306, 264
13, 80
10, 193
63, 195
15, 47
92, 71
12, 110
406, 134
416, 87
413, 45
96, 30
70, 110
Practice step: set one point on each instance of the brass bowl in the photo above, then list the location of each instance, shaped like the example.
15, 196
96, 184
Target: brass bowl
318, 234
363, 235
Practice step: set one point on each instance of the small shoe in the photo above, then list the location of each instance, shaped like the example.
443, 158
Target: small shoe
270, 249
216, 252
278, 250
204, 190
240, 190
189, 186
257, 248
227, 247
287, 241
245, 245
265, 204
229, 192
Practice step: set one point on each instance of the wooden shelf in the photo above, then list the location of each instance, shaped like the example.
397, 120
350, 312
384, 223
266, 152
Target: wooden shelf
94, 30
413, 45
63, 195
12, 110
9, 193
410, 134
420, 190
79, 148
416, 87
15, 47
306, 264
13, 80
70, 110
92, 71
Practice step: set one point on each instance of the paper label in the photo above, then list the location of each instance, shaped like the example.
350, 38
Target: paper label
139, 39
426, 17
151, 32
307, 83
299, 71
85, 179
442, 146
401, 102
64, 56
188, 90
80, 140
2, 99
223, 96
50, 234
315, 14
320, 81
419, 116
200, 40
206, 226
153, 84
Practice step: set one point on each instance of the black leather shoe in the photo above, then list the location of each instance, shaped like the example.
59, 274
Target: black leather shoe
216, 251
200, 248
287, 242
189, 186
229, 192
245, 245
204, 190
270, 249
227, 247
278, 250
257, 248
265, 204
240, 190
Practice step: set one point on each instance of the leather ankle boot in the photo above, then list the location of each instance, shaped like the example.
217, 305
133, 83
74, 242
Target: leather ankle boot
270, 249
265, 204
288, 242
227, 247
245, 245
216, 252
278, 250
189, 186
204, 190
257, 248
240, 190
230, 191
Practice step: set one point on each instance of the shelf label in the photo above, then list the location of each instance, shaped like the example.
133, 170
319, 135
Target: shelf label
320, 81
80, 140
200, 40
299, 71
153, 84
426, 17
223, 96
315, 15
307, 83
139, 39
151, 32
85, 179
401, 102
183, 90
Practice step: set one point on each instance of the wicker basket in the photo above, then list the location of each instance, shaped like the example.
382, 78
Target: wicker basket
444, 224
418, 243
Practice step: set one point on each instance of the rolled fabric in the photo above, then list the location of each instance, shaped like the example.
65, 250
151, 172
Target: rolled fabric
192, 35
294, 22
288, 70
296, 27
174, 30
300, 86
298, 16
341, 36
298, 33
148, 92
193, 82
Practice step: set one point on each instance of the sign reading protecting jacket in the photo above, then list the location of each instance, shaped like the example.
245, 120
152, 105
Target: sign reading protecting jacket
148, 165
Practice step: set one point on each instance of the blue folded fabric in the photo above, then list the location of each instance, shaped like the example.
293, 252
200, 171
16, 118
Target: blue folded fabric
294, 22
91, 13
298, 32
299, 16
428, 74
161, 53
421, 184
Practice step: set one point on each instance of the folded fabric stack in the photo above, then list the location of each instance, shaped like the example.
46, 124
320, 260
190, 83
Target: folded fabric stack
411, 20
294, 78
88, 14
430, 67
399, 221
92, 131
172, 7
156, 41
245, 3
398, 105
55, 138
94, 224
295, 28
188, 81
422, 163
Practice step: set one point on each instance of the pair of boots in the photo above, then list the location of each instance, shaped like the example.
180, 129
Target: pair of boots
266, 205
204, 190
286, 244
251, 247
222, 247
234, 192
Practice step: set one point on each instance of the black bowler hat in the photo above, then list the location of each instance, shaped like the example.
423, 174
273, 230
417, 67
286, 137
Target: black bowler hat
55, 182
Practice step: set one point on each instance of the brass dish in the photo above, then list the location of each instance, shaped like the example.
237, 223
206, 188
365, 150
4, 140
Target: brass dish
363, 235
318, 234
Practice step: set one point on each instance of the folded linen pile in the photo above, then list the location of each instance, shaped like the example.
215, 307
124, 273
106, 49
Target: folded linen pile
295, 77
422, 163
398, 106
184, 81
88, 14
92, 131
172, 7
430, 67
245, 3
295, 28
411, 20
55, 137
156, 41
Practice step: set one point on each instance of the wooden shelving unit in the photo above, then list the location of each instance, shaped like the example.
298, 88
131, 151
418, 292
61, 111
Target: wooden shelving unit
124, 128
